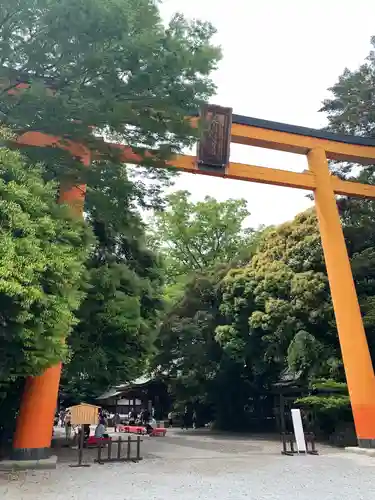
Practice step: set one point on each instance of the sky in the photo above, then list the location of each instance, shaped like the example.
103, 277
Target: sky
279, 59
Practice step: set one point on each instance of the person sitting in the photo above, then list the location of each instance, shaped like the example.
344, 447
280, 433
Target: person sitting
149, 426
100, 431
86, 430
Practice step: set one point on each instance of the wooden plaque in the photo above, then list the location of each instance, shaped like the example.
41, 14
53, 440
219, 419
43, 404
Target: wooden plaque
214, 146
84, 414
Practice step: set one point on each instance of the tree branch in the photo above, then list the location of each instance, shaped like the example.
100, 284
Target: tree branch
7, 18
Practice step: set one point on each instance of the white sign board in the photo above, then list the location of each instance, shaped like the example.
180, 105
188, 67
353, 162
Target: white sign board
298, 431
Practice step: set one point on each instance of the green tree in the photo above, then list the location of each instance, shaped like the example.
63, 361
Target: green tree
119, 317
197, 368
125, 76
186, 344
43, 249
197, 236
278, 307
351, 110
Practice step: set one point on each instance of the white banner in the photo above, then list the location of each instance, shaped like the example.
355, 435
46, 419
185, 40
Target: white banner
298, 431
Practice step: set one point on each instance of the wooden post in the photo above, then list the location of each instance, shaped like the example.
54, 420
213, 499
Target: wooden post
119, 448
109, 449
282, 413
283, 438
99, 459
80, 446
80, 450
355, 353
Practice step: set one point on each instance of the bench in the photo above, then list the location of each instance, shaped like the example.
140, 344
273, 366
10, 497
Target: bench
137, 429
159, 431
132, 429
94, 441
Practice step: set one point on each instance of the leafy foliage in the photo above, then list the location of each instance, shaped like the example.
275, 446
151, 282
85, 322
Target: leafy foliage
304, 353
125, 77
351, 110
327, 409
196, 366
197, 236
120, 314
325, 404
115, 327
329, 385
197, 369
242, 325
278, 306
43, 249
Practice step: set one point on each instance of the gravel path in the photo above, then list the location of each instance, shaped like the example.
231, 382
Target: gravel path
200, 467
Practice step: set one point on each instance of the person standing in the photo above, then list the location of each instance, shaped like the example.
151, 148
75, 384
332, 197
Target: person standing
145, 417
194, 419
62, 416
116, 421
68, 424
185, 419
170, 419
132, 416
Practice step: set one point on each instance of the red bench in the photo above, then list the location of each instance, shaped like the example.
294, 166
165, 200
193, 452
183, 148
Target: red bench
94, 441
132, 429
159, 431
137, 429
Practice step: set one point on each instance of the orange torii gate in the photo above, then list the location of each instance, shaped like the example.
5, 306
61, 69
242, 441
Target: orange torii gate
221, 128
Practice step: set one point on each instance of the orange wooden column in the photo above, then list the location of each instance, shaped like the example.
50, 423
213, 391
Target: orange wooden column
33, 435
356, 357
32, 439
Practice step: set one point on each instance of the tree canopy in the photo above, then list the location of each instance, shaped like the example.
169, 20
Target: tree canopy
120, 314
126, 77
278, 308
237, 328
43, 251
351, 110
197, 236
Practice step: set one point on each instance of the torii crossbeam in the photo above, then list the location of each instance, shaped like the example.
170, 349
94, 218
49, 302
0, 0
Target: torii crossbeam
221, 128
